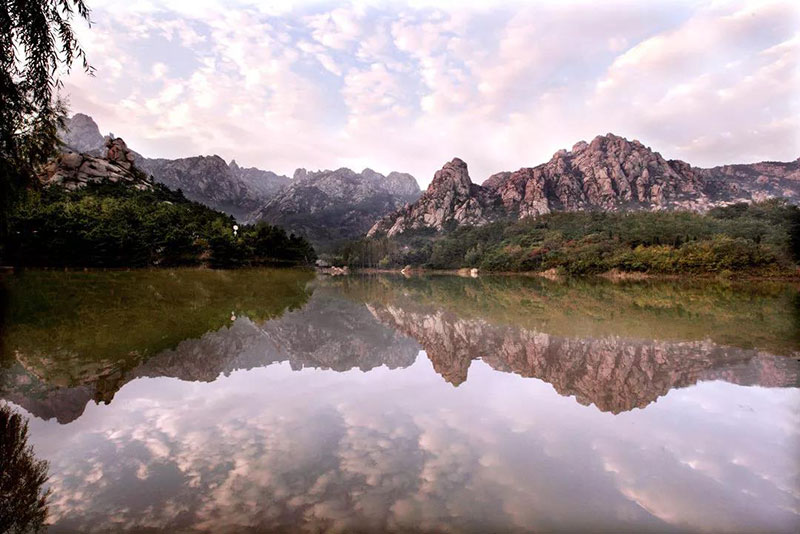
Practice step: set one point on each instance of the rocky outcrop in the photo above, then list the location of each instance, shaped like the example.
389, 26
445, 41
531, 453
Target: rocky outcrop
330, 206
760, 181
609, 174
73, 170
325, 206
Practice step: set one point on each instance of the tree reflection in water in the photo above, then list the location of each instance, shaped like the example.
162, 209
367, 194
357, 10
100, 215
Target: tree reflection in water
23, 499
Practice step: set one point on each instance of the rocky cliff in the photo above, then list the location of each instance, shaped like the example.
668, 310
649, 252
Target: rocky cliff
610, 173
329, 206
81, 134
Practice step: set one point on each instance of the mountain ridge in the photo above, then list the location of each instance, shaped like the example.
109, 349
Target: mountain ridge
331, 206
244, 192
608, 174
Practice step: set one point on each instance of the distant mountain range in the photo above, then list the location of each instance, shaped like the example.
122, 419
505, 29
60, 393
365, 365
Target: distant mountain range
333, 206
608, 174
324, 206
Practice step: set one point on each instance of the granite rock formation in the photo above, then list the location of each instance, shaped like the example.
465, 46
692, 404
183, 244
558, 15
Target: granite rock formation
73, 170
609, 174
81, 134
213, 182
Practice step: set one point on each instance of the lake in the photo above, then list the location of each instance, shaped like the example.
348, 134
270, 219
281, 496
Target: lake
280, 401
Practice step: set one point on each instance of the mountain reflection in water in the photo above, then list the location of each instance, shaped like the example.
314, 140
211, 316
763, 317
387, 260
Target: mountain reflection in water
255, 435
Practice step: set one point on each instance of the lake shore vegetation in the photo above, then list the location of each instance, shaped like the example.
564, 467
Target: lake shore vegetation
759, 239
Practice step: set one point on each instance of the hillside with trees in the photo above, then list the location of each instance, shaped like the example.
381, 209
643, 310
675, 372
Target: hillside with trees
116, 225
757, 239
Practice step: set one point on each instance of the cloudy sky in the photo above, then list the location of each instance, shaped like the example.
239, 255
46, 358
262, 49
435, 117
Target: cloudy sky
408, 86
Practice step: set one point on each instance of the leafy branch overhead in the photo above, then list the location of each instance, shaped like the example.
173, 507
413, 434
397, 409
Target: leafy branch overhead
36, 40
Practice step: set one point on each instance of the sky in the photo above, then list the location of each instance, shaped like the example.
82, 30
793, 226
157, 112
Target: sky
407, 86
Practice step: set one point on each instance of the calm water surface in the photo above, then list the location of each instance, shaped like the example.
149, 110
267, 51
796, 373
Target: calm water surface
263, 400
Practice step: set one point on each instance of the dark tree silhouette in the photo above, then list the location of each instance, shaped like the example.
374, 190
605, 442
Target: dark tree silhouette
23, 500
36, 40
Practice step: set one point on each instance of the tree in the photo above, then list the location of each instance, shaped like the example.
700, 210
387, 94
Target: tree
23, 499
36, 39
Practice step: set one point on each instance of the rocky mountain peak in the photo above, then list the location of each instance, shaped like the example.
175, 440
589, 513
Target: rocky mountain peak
81, 134
453, 175
402, 184
451, 196
206, 179
299, 174
579, 146
328, 206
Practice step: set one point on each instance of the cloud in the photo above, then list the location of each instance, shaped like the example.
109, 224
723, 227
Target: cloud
407, 87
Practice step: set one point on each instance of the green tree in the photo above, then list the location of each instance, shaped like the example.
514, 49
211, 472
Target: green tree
23, 500
36, 40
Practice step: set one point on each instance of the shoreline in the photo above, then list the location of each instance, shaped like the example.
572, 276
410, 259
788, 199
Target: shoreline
614, 276
608, 275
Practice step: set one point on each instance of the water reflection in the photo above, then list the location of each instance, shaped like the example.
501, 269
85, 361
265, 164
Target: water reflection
584, 339
243, 427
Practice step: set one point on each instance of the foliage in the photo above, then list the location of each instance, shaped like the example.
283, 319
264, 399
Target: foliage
115, 225
36, 39
761, 237
23, 500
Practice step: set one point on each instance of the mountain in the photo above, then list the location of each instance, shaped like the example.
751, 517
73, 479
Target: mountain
213, 182
81, 134
608, 174
209, 180
326, 206
264, 183
330, 206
